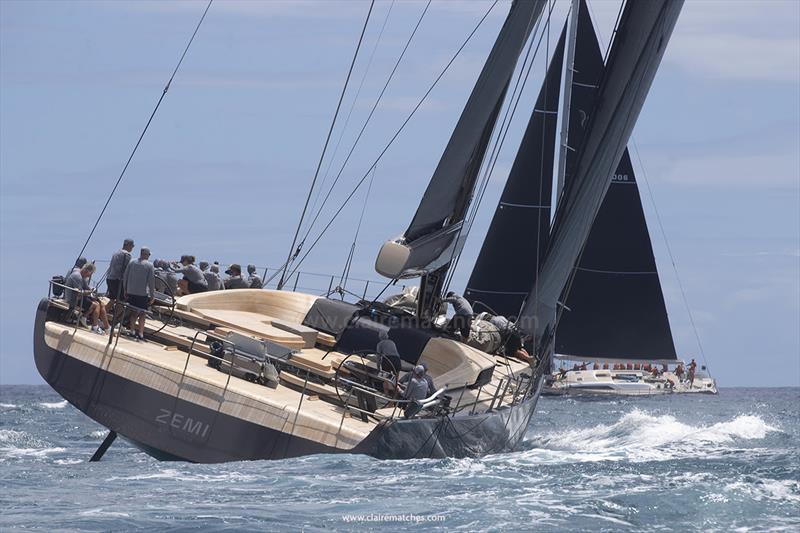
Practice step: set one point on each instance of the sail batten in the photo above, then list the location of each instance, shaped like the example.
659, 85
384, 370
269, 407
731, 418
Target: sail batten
639, 44
517, 236
449, 192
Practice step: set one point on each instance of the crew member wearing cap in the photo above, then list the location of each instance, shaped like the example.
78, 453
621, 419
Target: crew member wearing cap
140, 289
253, 278
167, 276
193, 280
416, 391
431, 387
235, 280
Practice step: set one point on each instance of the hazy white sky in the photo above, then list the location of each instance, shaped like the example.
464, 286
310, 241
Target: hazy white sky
225, 168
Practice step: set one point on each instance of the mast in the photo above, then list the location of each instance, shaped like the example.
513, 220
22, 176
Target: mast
434, 235
567, 98
639, 44
518, 234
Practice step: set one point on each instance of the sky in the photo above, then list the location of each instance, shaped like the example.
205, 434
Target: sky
227, 163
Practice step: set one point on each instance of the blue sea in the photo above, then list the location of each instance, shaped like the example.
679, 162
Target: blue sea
672, 463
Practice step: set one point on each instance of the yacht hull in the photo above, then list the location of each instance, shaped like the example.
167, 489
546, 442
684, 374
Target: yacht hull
170, 428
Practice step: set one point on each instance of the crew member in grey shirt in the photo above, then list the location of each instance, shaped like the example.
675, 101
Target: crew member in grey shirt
213, 279
462, 319
79, 295
235, 280
428, 379
140, 289
193, 279
119, 261
253, 278
416, 390
167, 276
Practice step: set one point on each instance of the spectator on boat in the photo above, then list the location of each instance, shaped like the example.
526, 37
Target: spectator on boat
253, 278
664, 368
140, 290
415, 392
116, 269
692, 370
596, 366
654, 371
167, 276
212, 278
605, 366
80, 296
462, 319
193, 280
235, 281
679, 371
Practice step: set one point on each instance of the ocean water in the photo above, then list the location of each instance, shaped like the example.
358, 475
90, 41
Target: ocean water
672, 463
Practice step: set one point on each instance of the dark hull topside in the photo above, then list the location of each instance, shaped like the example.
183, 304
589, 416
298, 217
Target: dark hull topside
170, 428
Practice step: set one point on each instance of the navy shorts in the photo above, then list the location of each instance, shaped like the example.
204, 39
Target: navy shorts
140, 302
114, 289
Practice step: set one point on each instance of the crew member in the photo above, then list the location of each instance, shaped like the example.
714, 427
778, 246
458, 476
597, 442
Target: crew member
212, 278
235, 280
193, 279
140, 288
79, 295
253, 278
416, 391
119, 261
462, 319
692, 370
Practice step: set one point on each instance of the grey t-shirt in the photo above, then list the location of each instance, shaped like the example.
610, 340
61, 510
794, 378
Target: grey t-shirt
417, 389
428, 379
255, 281
140, 278
460, 305
119, 261
236, 282
500, 322
74, 281
213, 281
193, 274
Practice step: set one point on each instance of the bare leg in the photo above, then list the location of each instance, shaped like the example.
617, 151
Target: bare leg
102, 313
142, 318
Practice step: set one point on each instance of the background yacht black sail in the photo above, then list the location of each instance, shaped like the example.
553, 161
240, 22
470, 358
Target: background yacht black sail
517, 236
431, 240
640, 41
615, 306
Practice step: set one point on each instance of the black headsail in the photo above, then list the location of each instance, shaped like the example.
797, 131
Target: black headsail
517, 236
642, 35
428, 244
615, 307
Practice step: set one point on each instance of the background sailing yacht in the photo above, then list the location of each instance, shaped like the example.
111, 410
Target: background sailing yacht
614, 306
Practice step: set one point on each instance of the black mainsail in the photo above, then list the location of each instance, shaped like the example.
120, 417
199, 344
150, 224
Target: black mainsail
517, 237
615, 307
642, 35
430, 240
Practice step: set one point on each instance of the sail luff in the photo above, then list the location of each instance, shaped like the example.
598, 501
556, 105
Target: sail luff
566, 101
642, 36
517, 235
429, 241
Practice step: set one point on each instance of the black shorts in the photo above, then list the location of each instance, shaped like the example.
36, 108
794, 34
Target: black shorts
195, 287
114, 289
139, 302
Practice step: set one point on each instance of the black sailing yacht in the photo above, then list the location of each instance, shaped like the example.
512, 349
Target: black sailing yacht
268, 374
613, 309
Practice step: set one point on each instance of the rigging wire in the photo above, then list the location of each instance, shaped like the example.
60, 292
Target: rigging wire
349, 262
324, 148
352, 107
671, 256
393, 138
502, 132
366, 122
144, 130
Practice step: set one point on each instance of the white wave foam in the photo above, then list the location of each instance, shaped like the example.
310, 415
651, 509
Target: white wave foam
639, 436
101, 512
18, 444
53, 405
8, 406
99, 434
768, 489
